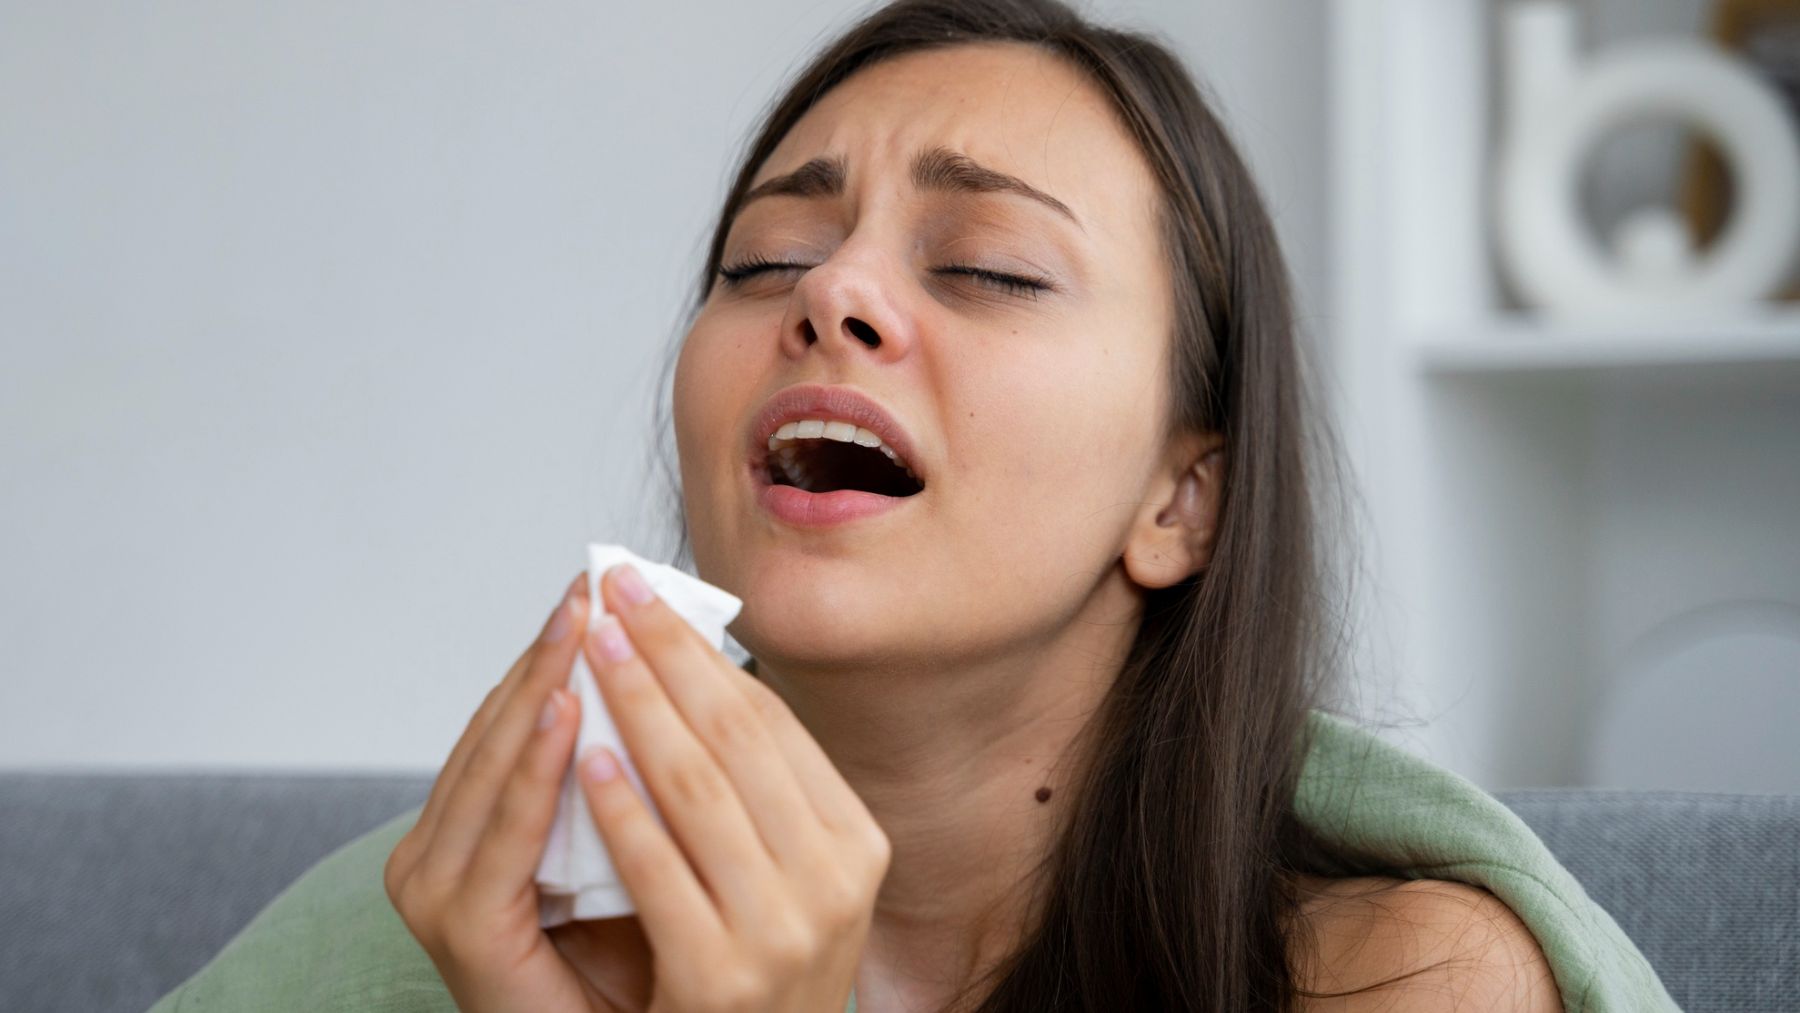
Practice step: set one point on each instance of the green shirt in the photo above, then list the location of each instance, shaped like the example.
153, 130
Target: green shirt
332, 941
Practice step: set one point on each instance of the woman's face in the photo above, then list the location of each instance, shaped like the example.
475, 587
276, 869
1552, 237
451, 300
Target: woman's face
1035, 418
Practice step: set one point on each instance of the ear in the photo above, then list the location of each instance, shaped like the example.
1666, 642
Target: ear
1172, 537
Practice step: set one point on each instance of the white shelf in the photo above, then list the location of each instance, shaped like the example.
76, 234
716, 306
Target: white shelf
1522, 343
1545, 497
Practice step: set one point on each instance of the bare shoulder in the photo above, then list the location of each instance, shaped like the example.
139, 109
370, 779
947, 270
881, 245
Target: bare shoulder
1411, 945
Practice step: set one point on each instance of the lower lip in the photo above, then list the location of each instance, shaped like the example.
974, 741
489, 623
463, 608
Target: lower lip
805, 509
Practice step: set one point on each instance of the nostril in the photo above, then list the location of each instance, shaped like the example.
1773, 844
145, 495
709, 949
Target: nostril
807, 332
863, 332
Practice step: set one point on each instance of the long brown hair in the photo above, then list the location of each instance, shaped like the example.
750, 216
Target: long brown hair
1172, 884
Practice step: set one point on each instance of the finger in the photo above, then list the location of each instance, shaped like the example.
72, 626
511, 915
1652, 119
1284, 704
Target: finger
503, 871
459, 755
472, 796
671, 902
840, 811
702, 684
696, 798
836, 806
412, 846
478, 724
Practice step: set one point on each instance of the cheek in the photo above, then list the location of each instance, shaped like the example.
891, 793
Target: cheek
708, 391
1057, 449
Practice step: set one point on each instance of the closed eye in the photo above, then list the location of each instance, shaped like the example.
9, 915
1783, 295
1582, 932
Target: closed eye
1011, 283
1014, 283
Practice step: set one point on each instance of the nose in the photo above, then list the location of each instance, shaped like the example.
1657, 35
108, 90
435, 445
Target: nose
848, 306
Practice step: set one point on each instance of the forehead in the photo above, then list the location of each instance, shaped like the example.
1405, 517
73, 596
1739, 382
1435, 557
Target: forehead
1010, 106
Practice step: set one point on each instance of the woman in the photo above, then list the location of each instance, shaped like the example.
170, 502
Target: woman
1096, 603
1026, 715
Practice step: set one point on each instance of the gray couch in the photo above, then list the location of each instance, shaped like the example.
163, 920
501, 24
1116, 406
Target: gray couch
118, 887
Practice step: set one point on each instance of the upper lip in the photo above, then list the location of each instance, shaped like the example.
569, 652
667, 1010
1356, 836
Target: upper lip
815, 401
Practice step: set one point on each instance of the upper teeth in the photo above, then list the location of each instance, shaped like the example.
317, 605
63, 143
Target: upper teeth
831, 429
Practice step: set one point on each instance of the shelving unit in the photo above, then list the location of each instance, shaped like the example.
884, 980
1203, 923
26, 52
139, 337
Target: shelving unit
1525, 344
1546, 499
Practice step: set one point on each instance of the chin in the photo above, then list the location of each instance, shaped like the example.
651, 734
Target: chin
818, 622
798, 647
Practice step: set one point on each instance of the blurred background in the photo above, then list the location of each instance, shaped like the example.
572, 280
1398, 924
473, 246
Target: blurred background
331, 334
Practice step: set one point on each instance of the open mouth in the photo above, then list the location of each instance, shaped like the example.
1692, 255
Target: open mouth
822, 464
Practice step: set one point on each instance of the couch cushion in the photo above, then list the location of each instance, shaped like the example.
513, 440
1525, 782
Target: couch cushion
120, 886
1707, 885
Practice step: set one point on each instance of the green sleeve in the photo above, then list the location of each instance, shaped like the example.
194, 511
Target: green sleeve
330, 941
1360, 791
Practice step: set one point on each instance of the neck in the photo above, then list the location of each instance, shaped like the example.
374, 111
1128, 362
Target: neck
968, 766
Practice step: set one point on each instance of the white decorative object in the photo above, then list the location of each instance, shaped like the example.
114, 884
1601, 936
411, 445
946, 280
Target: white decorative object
575, 877
1558, 108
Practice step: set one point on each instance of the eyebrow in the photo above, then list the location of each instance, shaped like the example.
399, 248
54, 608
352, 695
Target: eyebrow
937, 168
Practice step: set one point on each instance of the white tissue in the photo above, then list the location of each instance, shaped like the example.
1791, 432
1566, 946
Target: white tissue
575, 877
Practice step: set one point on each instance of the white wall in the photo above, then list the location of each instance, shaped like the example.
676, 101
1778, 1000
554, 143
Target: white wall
329, 330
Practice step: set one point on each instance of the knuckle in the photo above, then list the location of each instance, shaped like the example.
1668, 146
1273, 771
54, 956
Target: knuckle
870, 848
399, 897
510, 813
637, 689
837, 907
693, 785
431, 884
411, 905
541, 774
485, 763
790, 946
393, 874
765, 699
768, 704
536, 771
844, 900
731, 725
740, 987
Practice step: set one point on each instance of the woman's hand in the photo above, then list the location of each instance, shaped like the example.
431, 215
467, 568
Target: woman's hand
771, 913
464, 877
763, 897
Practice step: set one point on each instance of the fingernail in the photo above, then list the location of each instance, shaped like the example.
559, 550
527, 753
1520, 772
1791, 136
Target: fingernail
548, 717
610, 639
631, 584
599, 765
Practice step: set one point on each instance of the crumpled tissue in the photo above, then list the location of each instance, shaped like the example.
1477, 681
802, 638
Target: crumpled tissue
575, 878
